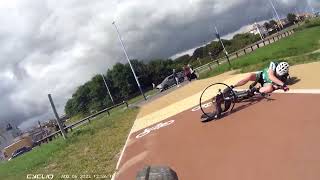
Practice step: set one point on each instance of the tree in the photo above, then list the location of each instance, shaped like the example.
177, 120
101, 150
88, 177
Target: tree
80, 100
93, 96
292, 18
142, 72
273, 24
267, 25
198, 53
241, 40
122, 77
70, 107
159, 69
99, 97
183, 59
215, 48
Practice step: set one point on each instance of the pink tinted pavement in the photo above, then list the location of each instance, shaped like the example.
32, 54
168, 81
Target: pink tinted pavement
263, 140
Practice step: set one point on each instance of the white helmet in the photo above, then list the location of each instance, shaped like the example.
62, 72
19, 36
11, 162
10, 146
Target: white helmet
282, 68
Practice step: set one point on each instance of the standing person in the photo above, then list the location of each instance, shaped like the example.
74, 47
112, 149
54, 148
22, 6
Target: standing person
192, 73
174, 73
187, 72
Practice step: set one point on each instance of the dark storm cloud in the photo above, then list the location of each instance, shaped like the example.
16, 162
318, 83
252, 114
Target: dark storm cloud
192, 23
53, 47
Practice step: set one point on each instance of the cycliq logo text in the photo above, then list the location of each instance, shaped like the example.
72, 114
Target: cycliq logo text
40, 176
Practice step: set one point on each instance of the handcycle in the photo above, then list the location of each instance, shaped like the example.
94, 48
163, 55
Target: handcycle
224, 101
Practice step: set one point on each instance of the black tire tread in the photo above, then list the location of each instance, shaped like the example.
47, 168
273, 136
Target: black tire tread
156, 173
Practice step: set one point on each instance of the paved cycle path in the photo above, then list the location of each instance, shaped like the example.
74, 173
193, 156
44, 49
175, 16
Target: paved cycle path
171, 144
304, 77
277, 139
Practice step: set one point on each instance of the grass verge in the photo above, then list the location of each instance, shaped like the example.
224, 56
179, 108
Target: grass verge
140, 97
89, 150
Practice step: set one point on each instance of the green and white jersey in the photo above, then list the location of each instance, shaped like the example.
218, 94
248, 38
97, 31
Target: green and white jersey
265, 74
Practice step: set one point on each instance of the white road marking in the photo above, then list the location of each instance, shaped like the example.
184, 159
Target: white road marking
120, 158
294, 91
300, 91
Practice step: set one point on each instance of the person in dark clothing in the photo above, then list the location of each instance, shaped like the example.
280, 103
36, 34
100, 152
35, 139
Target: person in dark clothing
189, 73
174, 73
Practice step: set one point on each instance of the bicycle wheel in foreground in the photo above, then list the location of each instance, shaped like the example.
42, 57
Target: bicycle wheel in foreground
157, 173
215, 100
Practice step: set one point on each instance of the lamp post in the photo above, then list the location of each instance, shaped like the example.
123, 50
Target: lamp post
276, 13
203, 50
224, 49
105, 83
124, 50
60, 124
258, 29
218, 36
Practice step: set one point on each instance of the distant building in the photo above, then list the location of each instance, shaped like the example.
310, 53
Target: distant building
19, 142
284, 22
256, 28
42, 130
8, 134
12, 139
305, 15
39, 133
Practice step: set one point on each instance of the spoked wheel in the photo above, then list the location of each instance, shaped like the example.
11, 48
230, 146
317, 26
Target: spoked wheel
213, 95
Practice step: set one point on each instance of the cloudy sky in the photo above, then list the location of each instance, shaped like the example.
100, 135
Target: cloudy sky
50, 46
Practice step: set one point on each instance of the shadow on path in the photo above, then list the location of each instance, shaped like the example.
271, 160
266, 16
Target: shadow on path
243, 104
293, 80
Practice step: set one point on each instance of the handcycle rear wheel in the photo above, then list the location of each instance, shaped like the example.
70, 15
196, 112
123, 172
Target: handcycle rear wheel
210, 93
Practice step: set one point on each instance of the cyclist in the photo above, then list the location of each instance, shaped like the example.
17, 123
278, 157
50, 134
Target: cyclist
272, 78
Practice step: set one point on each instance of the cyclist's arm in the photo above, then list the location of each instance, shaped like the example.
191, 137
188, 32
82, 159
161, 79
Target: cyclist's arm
274, 79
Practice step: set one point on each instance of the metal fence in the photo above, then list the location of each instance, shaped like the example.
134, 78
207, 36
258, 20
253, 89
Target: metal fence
244, 51
79, 123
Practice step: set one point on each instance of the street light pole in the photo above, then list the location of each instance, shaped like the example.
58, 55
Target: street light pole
225, 51
124, 50
60, 124
203, 52
276, 13
105, 83
257, 26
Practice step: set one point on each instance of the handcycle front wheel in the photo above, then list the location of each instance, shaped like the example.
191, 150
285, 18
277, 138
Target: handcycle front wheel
208, 100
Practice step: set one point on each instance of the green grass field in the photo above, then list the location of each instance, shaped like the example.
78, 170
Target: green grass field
295, 49
89, 150
140, 97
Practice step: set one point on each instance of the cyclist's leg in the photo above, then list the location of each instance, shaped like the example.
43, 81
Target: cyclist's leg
250, 77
